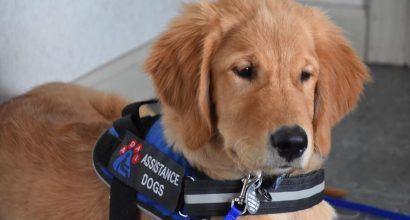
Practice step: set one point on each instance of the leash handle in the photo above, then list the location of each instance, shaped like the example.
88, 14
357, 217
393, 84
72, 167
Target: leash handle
134, 108
132, 111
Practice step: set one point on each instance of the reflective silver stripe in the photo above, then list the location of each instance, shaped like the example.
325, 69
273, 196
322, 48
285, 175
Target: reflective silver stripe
296, 195
276, 196
210, 198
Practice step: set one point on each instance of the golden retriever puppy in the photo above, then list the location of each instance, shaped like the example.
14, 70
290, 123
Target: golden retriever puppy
245, 85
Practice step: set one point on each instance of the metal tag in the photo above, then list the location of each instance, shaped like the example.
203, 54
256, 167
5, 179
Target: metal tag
251, 199
264, 194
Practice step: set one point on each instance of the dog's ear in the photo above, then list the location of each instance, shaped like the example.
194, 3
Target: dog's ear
342, 75
179, 65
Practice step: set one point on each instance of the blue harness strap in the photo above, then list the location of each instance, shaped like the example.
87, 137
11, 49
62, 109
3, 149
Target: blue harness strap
155, 136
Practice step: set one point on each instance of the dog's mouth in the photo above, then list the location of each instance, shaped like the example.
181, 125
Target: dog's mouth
270, 164
277, 171
280, 169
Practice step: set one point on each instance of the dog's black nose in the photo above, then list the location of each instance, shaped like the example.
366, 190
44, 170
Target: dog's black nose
290, 142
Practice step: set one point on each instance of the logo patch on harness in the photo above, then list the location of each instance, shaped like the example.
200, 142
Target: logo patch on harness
145, 168
123, 164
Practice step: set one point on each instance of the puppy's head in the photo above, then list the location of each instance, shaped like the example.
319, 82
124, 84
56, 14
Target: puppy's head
262, 80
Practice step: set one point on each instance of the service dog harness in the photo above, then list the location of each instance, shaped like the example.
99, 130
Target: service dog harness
141, 169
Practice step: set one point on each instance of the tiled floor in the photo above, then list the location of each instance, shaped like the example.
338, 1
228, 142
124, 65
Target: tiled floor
371, 147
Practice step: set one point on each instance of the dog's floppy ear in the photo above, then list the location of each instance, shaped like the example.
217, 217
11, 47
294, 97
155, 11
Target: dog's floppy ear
179, 65
340, 83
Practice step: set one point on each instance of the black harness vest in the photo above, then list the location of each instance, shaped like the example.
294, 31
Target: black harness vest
133, 158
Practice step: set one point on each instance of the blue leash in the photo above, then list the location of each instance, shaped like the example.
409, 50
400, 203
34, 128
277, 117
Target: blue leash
366, 209
234, 213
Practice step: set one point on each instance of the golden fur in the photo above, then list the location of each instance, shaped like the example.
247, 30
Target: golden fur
218, 120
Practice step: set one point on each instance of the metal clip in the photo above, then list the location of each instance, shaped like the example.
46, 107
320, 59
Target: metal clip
249, 180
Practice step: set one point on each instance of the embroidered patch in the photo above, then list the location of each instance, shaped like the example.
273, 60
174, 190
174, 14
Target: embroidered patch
122, 164
145, 168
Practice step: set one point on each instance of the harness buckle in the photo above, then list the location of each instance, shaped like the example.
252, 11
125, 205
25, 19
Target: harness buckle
180, 213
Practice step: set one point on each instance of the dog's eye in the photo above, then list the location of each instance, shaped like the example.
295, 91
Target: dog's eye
244, 72
305, 76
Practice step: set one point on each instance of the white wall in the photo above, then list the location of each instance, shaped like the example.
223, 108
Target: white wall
388, 37
49, 40
351, 16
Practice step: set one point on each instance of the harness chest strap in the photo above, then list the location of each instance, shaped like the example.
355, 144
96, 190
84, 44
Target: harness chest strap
135, 152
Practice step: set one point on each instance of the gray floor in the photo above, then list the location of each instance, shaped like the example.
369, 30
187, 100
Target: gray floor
370, 157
